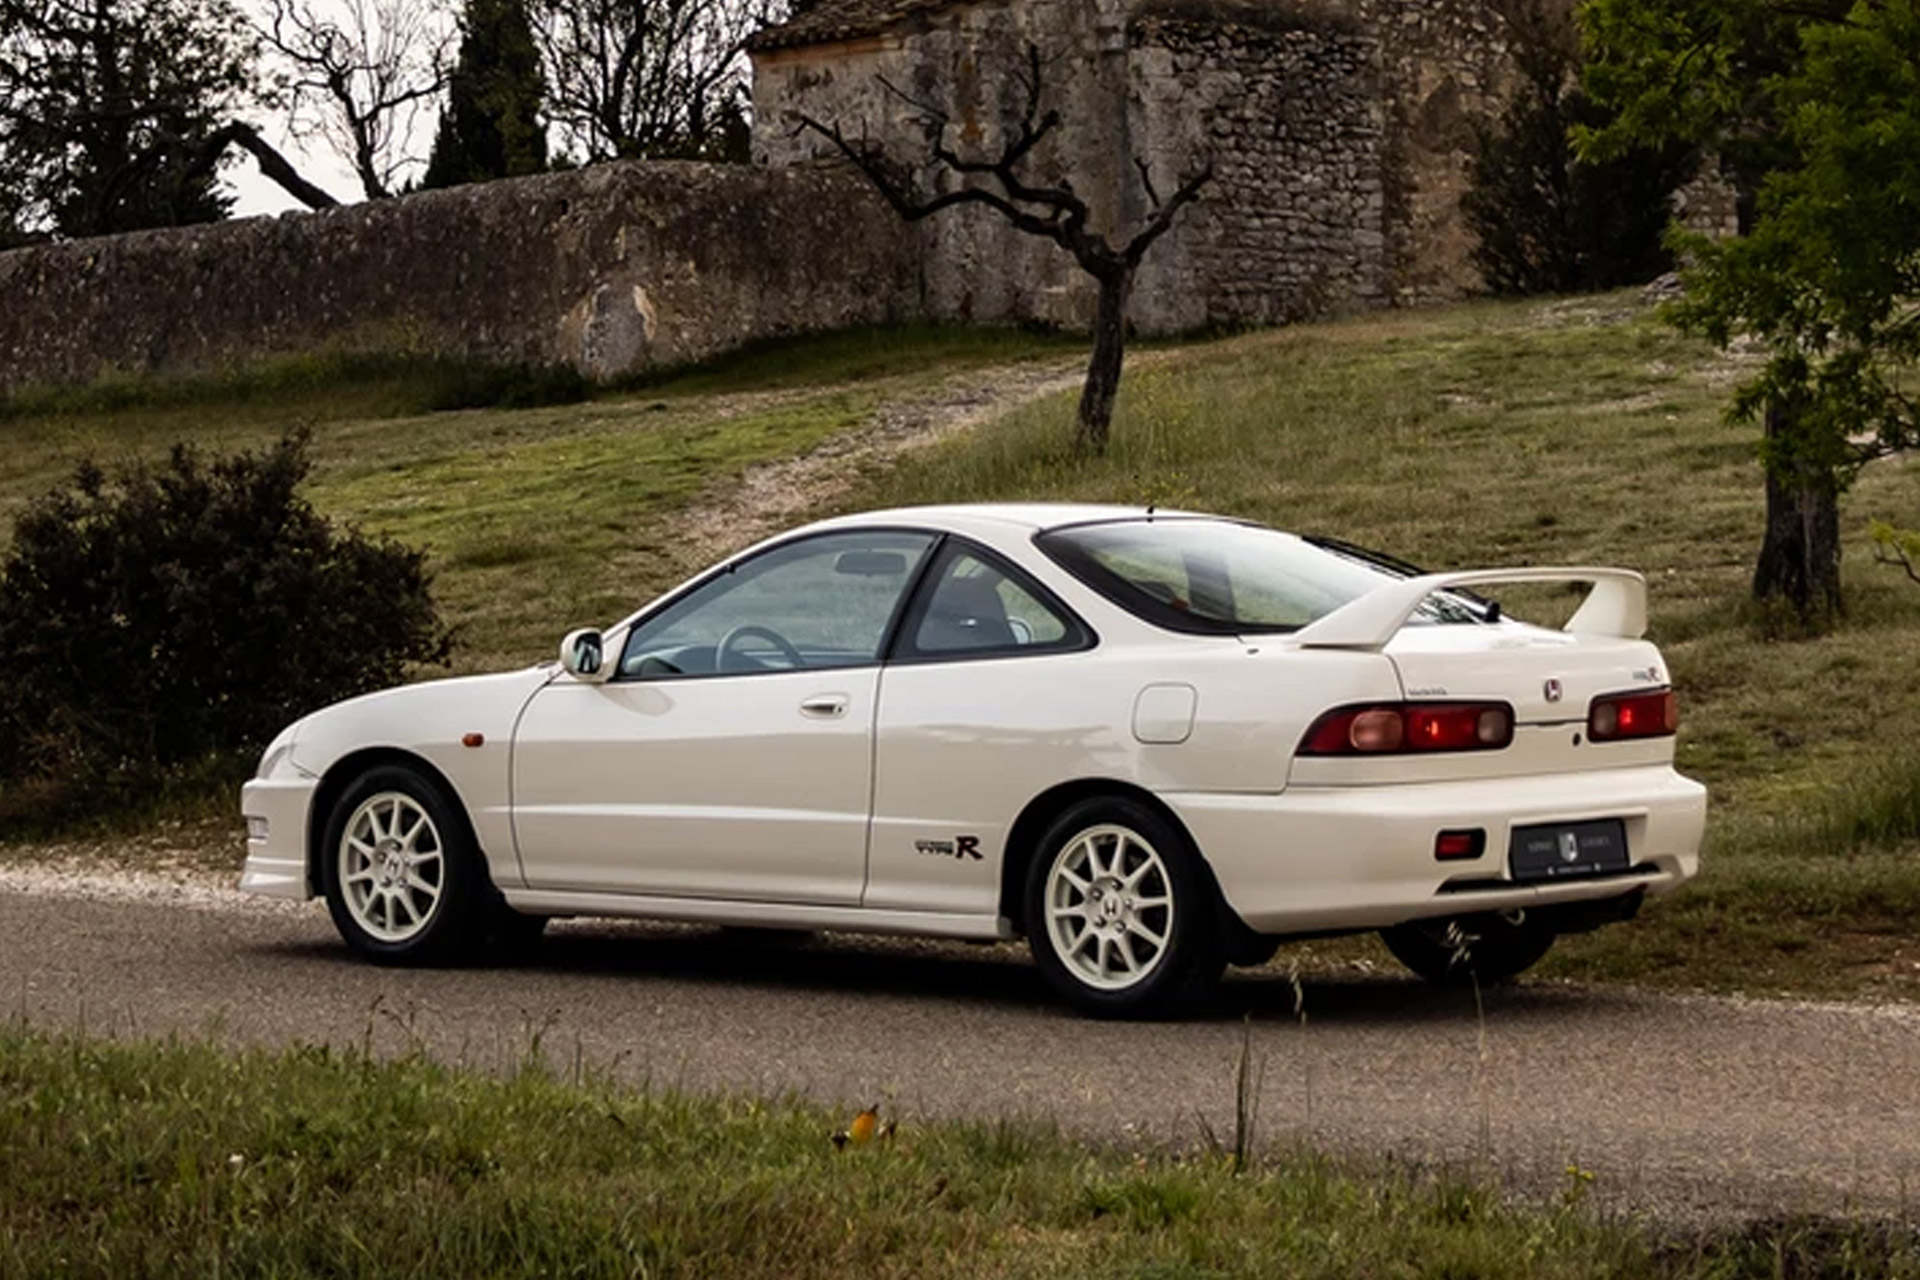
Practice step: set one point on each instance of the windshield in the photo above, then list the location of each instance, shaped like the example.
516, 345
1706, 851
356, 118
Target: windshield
1220, 577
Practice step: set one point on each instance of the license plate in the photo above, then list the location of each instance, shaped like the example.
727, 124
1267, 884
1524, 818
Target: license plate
1566, 850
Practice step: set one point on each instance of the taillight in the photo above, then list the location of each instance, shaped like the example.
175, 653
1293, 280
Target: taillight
1398, 728
1633, 715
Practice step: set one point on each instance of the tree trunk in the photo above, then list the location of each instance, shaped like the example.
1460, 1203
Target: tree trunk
1800, 557
1103, 370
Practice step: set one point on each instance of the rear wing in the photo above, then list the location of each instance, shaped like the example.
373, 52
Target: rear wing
1617, 605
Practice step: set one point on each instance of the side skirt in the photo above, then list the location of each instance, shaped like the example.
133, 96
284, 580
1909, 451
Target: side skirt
763, 915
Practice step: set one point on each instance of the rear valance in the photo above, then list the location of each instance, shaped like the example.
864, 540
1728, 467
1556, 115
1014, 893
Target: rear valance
1616, 606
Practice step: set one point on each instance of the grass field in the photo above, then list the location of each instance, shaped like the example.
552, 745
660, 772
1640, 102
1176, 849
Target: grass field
164, 1160
1570, 431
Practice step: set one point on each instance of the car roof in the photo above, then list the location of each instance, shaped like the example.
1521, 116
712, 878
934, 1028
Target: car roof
1032, 517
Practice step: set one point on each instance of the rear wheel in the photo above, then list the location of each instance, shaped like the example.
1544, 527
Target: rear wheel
1488, 949
403, 879
1120, 912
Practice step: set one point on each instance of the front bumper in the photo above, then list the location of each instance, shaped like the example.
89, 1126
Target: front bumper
1361, 857
276, 864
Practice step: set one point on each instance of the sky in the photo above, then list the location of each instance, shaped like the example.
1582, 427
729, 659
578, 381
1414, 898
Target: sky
313, 159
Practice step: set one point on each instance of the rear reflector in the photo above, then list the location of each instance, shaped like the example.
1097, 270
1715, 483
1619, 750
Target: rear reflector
1451, 846
1633, 715
1405, 727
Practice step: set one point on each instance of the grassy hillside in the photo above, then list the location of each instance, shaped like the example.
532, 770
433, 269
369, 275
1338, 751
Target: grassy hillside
1570, 432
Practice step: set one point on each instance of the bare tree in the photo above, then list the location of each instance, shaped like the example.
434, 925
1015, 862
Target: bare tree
358, 80
1052, 211
648, 78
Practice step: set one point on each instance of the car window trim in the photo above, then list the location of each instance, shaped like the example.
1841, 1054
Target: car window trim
1080, 636
936, 537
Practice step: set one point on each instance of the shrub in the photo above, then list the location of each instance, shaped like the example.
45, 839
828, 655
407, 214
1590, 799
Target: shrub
1545, 221
166, 614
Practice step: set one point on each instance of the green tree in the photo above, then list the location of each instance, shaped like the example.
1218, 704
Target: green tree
491, 127
1815, 105
109, 108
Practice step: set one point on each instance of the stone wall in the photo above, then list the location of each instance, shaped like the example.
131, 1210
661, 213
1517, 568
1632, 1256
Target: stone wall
964, 59
1340, 132
611, 269
1290, 117
1443, 63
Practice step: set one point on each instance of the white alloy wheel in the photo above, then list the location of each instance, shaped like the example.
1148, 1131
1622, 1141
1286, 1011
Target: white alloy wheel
1110, 907
392, 866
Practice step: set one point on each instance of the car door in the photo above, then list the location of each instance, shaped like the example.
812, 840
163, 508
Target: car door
985, 700
730, 755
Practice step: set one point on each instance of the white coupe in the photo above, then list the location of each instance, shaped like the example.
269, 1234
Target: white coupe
1153, 743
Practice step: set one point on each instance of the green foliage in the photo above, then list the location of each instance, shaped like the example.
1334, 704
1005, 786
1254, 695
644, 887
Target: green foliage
163, 615
1896, 546
491, 127
1544, 219
1820, 104
107, 108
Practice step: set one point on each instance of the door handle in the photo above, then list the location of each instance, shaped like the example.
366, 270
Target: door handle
825, 706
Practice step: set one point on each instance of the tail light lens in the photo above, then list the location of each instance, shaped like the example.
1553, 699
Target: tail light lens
1633, 715
1400, 728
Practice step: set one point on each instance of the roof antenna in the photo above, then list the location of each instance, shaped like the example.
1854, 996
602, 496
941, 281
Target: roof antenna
1150, 510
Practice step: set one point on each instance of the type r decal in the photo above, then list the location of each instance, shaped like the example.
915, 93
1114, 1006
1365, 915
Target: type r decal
960, 847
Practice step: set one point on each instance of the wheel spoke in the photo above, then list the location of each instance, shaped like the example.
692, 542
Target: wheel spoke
1123, 947
1137, 928
1075, 911
1080, 942
363, 876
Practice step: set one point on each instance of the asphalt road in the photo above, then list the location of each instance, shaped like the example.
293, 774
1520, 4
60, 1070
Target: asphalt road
1684, 1107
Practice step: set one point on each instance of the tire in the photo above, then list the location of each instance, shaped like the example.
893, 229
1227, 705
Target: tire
1488, 949
403, 879
1120, 912
513, 934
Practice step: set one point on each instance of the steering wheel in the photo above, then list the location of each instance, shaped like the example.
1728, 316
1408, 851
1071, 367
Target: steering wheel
746, 631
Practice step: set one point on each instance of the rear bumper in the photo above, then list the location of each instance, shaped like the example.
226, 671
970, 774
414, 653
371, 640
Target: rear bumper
1361, 857
277, 862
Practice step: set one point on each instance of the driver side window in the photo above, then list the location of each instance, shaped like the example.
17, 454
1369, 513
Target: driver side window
821, 602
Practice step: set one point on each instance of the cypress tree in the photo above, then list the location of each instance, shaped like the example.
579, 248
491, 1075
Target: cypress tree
491, 127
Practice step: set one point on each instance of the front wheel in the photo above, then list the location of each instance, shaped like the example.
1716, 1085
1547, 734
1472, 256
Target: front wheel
402, 877
1488, 949
1120, 913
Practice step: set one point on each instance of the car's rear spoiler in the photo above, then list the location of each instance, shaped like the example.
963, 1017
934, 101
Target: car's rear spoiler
1617, 605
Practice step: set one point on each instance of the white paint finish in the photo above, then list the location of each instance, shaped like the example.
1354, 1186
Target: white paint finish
1616, 605
1163, 714
428, 721
1512, 663
718, 787
1361, 857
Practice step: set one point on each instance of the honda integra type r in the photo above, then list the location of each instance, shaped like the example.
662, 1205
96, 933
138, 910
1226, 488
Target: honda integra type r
1153, 744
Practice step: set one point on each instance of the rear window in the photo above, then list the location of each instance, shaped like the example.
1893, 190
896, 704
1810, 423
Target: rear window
1219, 577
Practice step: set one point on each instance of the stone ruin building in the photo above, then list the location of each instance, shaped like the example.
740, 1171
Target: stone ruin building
1339, 132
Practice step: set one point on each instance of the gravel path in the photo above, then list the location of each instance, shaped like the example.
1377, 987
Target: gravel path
1687, 1108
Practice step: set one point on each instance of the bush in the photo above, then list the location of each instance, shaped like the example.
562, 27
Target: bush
164, 615
1545, 221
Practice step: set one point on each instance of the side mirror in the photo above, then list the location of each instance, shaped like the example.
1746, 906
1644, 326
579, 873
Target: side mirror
583, 655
